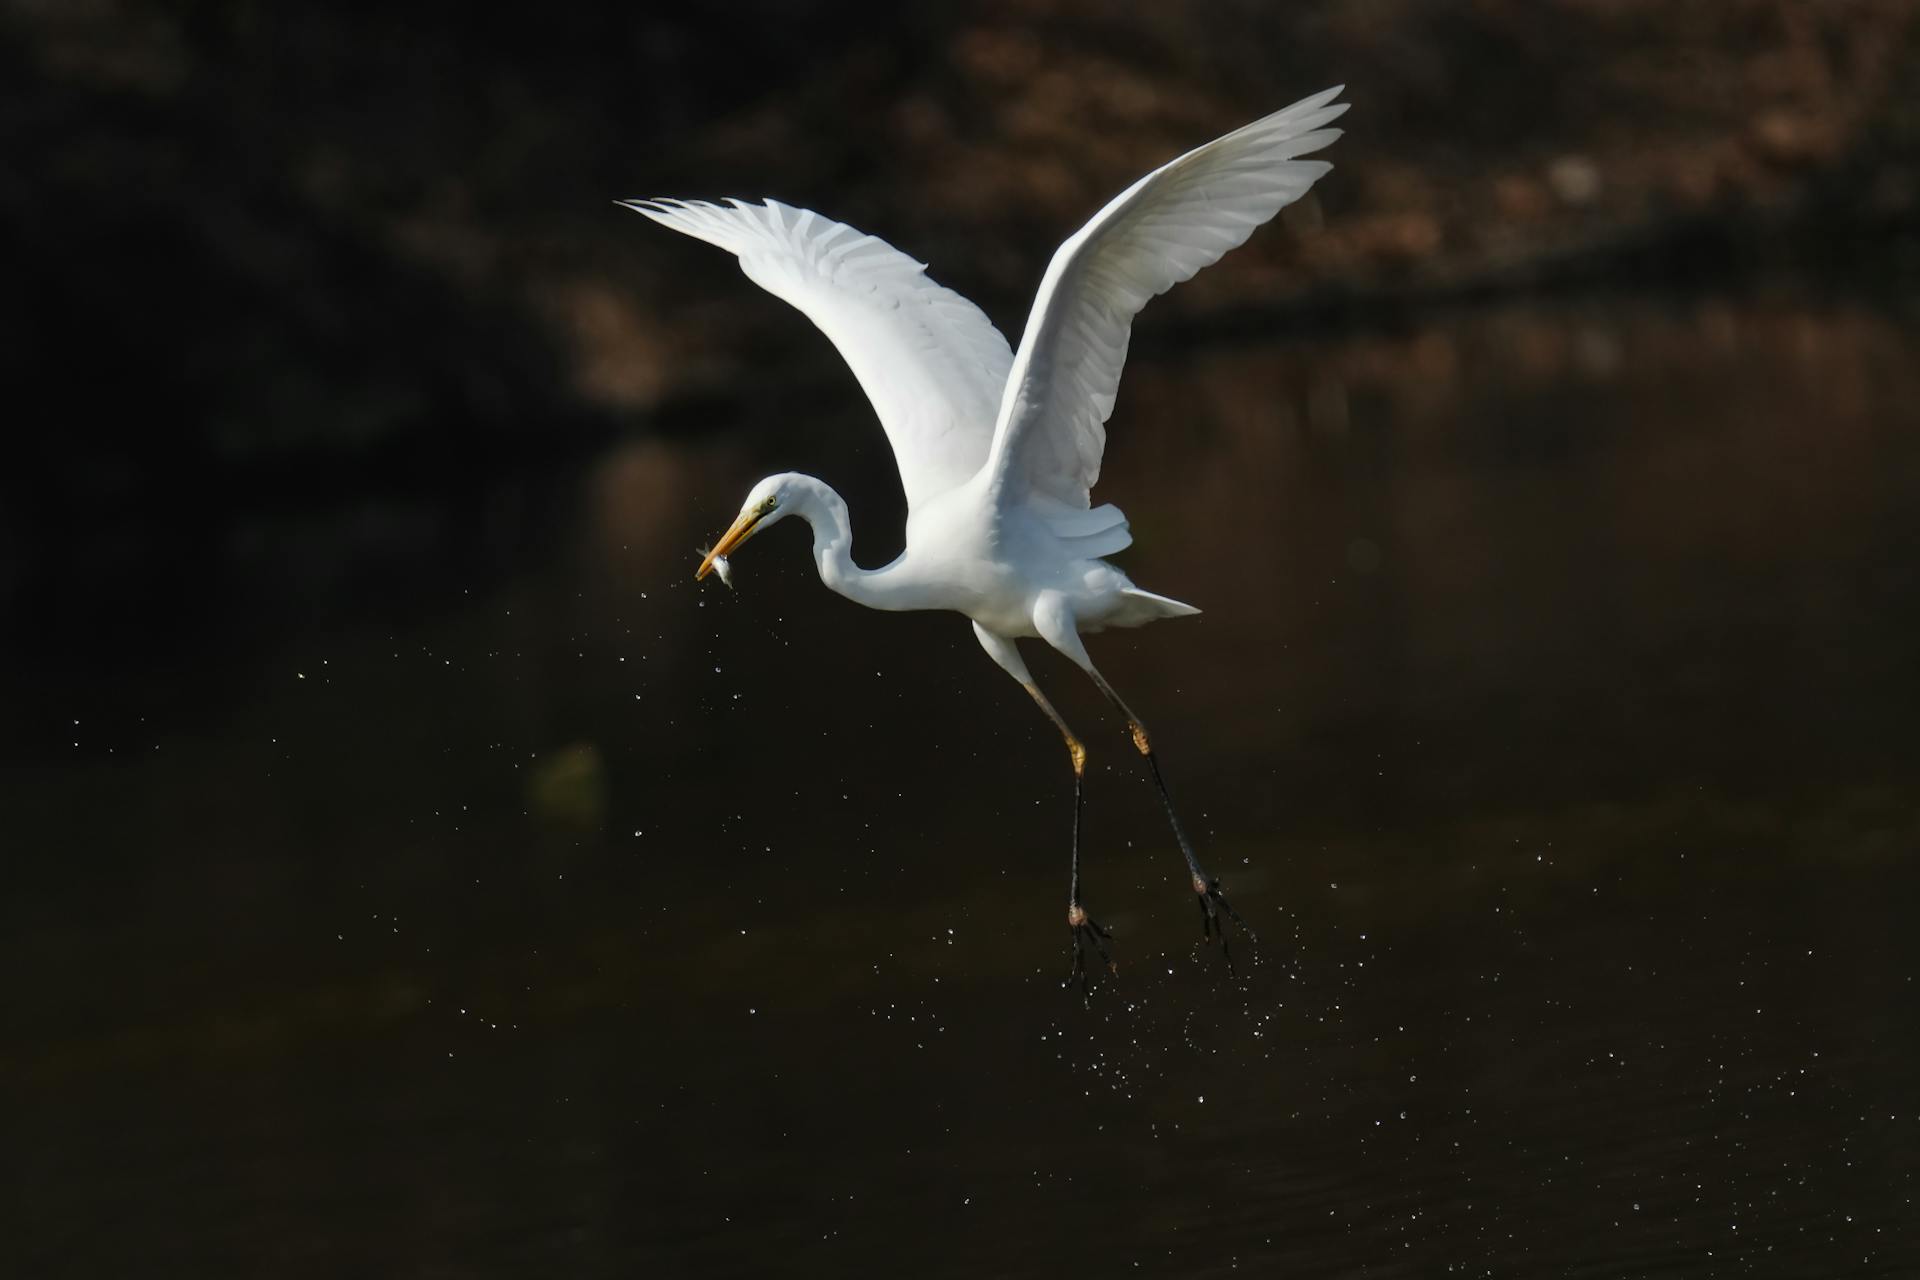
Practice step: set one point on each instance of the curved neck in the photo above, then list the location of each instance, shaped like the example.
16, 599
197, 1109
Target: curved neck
826, 512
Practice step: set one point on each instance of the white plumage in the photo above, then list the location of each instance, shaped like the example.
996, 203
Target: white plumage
930, 361
1051, 428
998, 451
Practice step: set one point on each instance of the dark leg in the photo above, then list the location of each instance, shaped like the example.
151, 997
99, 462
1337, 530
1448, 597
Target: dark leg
1206, 888
1085, 930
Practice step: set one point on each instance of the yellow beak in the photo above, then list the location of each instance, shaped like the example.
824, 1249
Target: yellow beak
742, 530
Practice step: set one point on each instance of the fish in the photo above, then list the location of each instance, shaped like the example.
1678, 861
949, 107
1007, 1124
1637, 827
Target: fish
721, 565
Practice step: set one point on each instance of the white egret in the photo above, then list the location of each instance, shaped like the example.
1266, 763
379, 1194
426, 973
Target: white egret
998, 449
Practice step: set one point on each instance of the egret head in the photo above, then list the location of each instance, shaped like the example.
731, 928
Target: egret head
770, 501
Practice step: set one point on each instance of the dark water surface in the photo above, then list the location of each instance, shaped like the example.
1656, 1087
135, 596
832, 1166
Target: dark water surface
441, 886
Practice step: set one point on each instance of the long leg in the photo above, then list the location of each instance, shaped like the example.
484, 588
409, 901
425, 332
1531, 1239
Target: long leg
1085, 930
1053, 617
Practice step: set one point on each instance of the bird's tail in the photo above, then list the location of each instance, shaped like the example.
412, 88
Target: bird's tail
1142, 607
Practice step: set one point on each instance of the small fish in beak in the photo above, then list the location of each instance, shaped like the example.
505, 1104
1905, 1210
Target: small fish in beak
743, 528
721, 565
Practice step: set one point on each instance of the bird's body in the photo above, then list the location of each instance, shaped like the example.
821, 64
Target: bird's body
970, 555
998, 450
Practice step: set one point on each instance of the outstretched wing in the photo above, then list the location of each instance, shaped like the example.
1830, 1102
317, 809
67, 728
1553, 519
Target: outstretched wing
1163, 229
930, 361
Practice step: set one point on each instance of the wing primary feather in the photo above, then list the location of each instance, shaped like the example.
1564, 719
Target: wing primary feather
931, 363
1050, 431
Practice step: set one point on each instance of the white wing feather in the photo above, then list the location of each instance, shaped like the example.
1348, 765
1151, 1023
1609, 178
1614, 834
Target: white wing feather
1051, 428
930, 361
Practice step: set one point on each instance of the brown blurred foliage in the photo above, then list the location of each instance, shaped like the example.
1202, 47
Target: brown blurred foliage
260, 234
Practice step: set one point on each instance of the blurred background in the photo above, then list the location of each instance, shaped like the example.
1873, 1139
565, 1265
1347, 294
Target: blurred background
412, 871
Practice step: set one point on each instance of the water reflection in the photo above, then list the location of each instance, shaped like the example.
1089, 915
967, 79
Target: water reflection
460, 888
